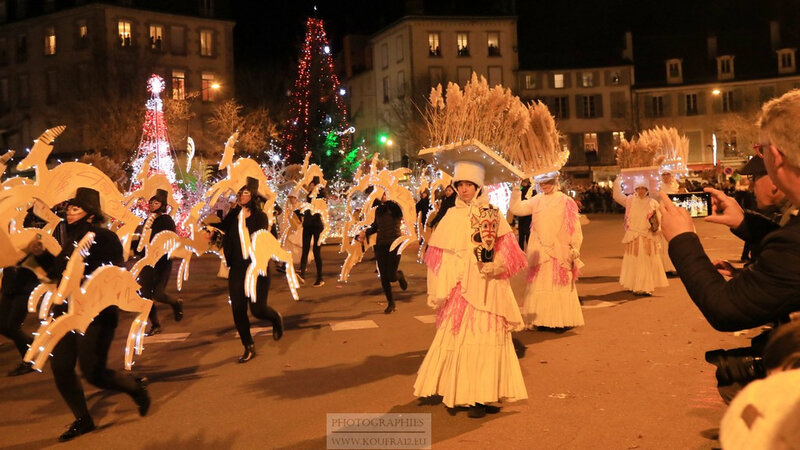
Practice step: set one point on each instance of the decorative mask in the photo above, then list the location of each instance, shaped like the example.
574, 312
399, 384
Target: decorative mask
484, 222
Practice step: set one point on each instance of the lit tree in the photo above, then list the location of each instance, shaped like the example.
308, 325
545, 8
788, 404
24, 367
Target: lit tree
154, 137
316, 107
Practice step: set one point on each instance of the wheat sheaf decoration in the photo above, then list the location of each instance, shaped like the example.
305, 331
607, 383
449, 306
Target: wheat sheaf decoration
520, 136
659, 146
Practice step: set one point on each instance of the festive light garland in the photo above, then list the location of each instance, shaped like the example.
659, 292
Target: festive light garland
312, 118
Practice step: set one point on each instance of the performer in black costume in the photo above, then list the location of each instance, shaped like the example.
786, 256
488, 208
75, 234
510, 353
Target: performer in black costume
154, 279
312, 228
90, 350
18, 283
251, 202
388, 218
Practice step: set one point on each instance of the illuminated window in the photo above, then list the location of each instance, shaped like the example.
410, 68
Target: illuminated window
558, 81
463, 44
50, 41
124, 30
206, 43
493, 43
433, 45
207, 81
156, 37
617, 138
83, 33
590, 142
530, 81
587, 79
178, 84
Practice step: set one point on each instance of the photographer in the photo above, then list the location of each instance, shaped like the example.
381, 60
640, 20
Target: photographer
769, 288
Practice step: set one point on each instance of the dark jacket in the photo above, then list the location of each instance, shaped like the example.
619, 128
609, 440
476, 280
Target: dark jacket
765, 291
231, 246
107, 249
423, 207
388, 218
161, 223
313, 222
524, 222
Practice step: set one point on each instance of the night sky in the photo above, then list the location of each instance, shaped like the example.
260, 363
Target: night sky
268, 34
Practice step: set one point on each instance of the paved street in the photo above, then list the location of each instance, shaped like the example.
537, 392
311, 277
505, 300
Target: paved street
633, 377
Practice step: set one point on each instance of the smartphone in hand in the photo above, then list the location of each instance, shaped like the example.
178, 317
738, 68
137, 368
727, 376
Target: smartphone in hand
697, 203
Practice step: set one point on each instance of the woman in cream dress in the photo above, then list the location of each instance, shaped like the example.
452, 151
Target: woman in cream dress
551, 298
642, 268
471, 361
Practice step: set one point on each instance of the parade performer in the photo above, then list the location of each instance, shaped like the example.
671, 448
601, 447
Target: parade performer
472, 251
642, 268
313, 226
249, 203
471, 361
90, 349
154, 279
551, 296
388, 219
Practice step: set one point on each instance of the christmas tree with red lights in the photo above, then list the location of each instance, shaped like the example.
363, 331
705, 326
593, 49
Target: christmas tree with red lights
154, 137
317, 112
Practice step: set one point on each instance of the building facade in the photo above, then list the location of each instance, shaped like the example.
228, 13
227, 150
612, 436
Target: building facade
56, 63
593, 110
417, 53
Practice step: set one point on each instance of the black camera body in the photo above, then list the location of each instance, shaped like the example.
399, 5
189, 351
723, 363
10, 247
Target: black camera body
740, 365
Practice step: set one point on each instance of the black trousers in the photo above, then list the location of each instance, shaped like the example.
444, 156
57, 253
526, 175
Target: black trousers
308, 234
154, 287
91, 352
17, 286
524, 228
388, 262
240, 302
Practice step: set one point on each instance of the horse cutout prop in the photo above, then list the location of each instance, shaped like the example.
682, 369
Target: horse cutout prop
60, 183
260, 248
106, 286
238, 171
149, 184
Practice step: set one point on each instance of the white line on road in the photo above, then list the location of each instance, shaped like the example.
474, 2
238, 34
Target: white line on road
167, 337
353, 325
431, 318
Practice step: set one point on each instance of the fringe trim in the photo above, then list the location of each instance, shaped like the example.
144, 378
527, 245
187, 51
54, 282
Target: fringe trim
513, 256
459, 308
560, 273
570, 215
433, 259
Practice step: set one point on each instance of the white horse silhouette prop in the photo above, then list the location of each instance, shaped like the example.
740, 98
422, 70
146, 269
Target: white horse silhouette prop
260, 248
238, 172
106, 286
61, 183
149, 184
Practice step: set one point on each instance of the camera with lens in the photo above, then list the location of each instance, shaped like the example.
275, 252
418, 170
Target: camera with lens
740, 365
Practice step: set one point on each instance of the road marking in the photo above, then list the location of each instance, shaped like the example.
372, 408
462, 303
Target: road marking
166, 337
598, 304
256, 331
431, 318
353, 325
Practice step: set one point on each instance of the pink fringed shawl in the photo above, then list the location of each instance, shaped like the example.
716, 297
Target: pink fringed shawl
560, 274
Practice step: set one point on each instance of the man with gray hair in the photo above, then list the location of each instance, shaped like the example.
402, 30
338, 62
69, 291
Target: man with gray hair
769, 288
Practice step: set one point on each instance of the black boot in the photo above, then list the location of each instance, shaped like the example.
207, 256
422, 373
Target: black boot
477, 411
277, 328
141, 397
401, 279
177, 310
390, 308
21, 369
79, 427
154, 330
249, 353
